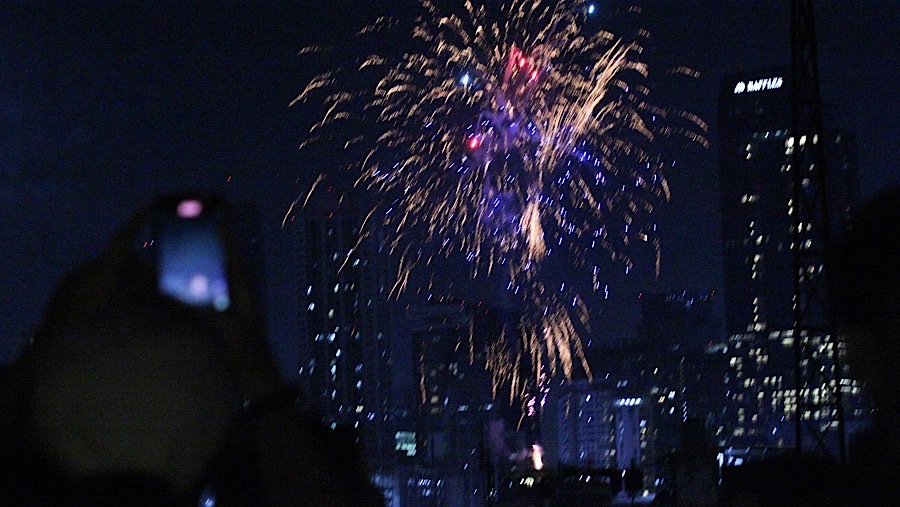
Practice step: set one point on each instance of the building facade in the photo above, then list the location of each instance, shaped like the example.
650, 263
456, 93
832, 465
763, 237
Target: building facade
344, 348
461, 429
594, 425
756, 147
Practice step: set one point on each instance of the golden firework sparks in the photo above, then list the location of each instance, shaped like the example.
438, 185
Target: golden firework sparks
508, 134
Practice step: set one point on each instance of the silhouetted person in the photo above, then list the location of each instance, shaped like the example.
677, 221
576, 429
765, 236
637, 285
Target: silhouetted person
865, 290
129, 396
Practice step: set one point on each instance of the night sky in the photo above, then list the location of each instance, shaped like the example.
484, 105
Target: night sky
104, 105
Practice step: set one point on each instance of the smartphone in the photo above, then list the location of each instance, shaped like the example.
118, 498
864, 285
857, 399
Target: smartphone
191, 259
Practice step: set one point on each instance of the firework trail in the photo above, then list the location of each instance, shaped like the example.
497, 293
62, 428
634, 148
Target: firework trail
507, 136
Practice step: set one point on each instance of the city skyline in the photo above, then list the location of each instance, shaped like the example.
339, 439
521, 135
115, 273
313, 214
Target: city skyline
120, 103
105, 106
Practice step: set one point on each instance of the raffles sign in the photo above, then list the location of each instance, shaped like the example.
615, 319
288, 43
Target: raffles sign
758, 85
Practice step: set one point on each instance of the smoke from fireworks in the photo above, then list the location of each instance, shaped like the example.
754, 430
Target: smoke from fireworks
509, 135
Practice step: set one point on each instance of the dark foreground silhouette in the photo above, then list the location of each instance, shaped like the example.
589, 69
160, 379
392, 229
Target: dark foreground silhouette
129, 397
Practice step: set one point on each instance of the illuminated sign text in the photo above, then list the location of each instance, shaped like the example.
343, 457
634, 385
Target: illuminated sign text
769, 83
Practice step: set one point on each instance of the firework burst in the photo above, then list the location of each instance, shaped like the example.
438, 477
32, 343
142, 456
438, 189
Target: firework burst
508, 136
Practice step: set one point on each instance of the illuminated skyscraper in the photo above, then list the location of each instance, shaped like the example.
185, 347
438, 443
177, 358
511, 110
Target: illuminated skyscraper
755, 148
344, 347
455, 402
595, 426
681, 344
681, 368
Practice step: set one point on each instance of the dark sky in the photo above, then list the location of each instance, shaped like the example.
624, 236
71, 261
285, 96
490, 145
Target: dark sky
103, 105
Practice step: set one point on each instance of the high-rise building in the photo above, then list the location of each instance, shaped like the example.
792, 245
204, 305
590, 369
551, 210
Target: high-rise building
456, 406
677, 365
450, 363
756, 180
594, 425
681, 368
681, 343
344, 348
